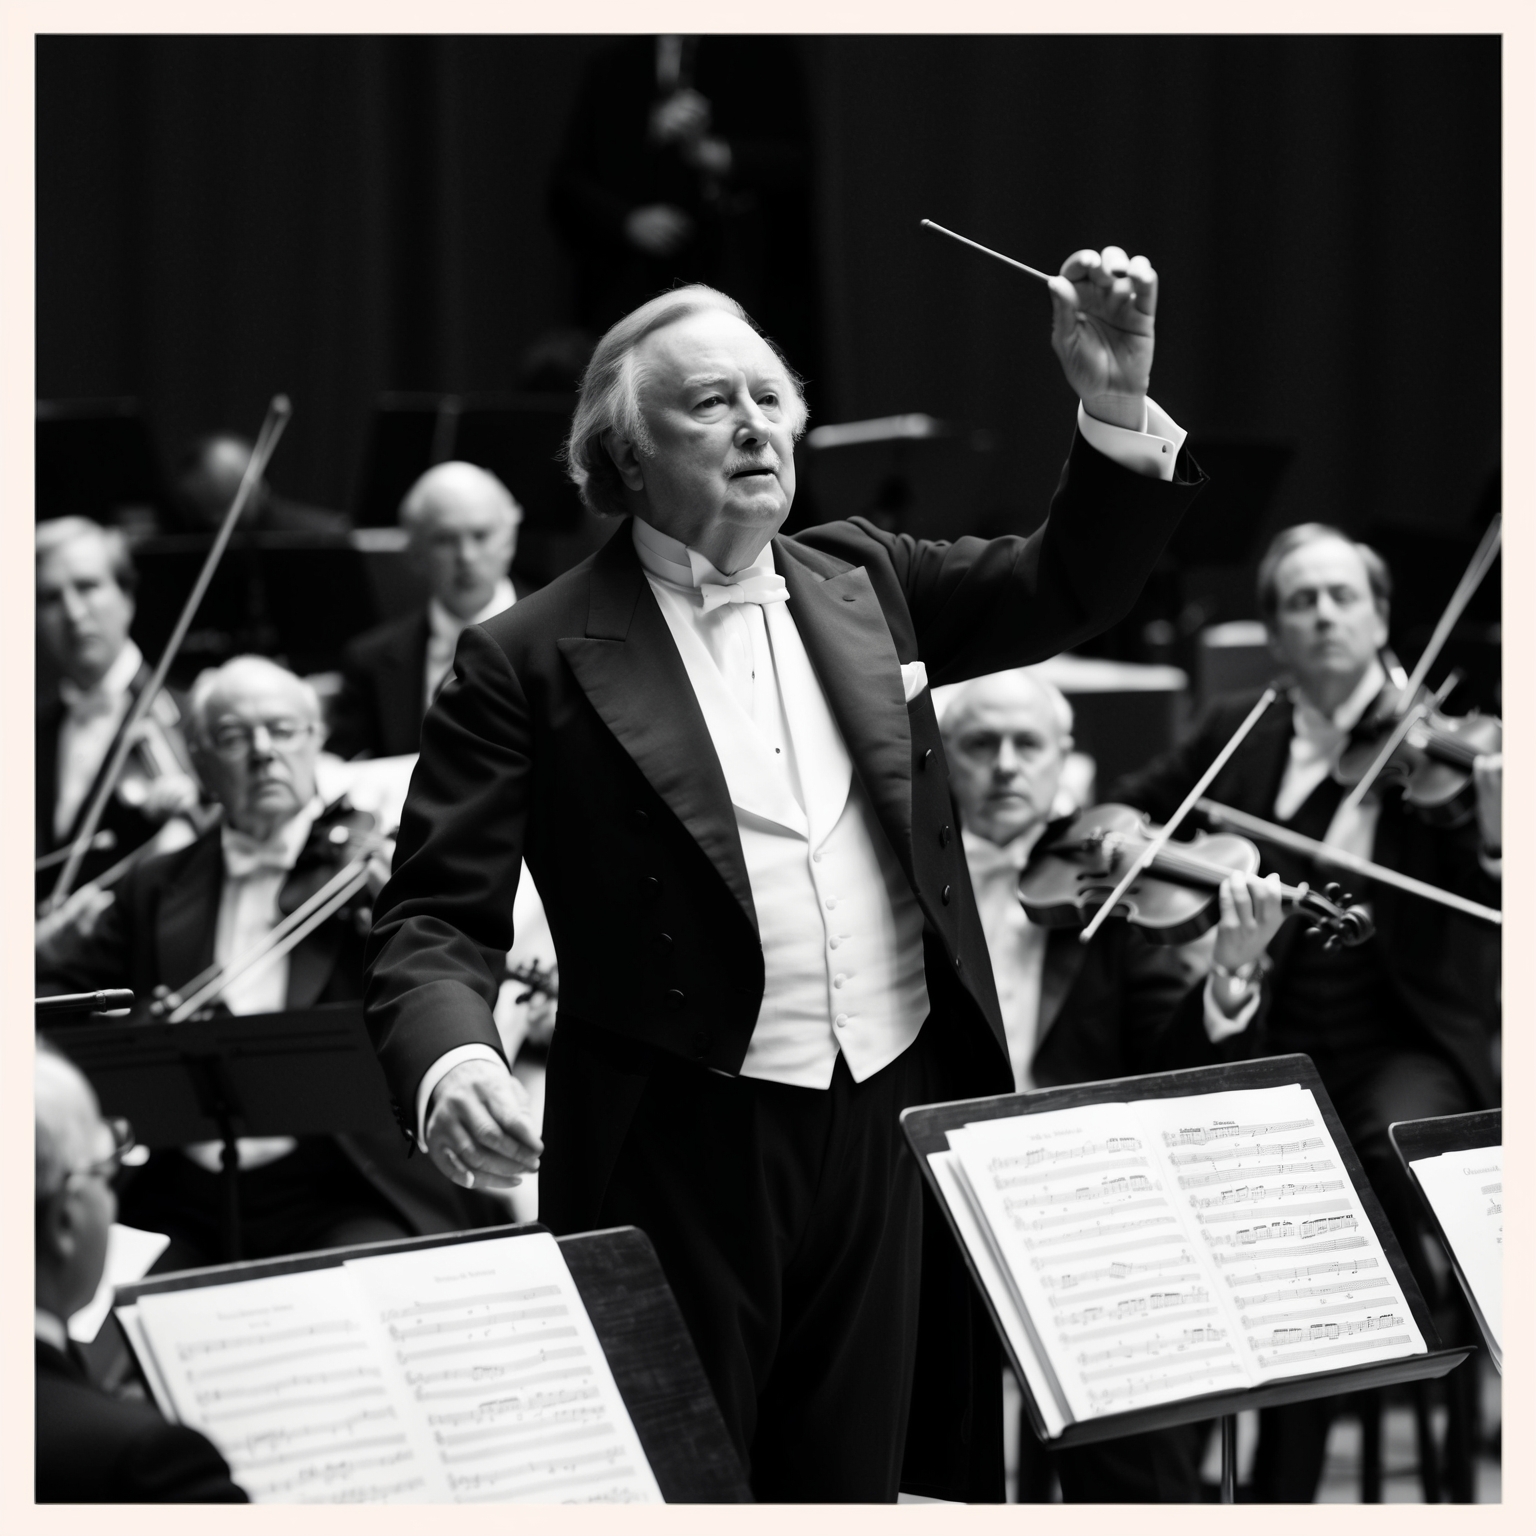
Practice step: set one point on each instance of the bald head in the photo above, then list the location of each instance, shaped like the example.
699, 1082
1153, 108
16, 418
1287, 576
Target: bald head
1007, 737
463, 525
68, 1121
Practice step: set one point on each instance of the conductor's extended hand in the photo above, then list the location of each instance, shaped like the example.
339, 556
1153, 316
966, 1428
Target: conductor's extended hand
480, 1128
1102, 305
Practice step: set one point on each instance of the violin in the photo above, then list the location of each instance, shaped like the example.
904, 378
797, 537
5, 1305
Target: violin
1175, 898
1432, 764
340, 834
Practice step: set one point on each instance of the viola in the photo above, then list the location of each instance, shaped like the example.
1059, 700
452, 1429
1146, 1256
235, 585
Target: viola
1175, 898
340, 834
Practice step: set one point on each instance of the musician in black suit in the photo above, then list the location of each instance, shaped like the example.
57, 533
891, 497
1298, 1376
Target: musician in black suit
255, 734
85, 586
718, 751
92, 1448
462, 522
1401, 1027
1117, 1007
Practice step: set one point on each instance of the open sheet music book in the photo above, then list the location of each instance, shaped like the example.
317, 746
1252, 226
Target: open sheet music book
1143, 1253
462, 1373
1465, 1190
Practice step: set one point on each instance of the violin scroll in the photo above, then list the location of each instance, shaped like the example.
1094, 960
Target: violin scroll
1334, 916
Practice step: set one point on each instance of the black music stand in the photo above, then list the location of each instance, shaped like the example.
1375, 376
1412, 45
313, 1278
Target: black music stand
1415, 1139
307, 1073
927, 1129
635, 1317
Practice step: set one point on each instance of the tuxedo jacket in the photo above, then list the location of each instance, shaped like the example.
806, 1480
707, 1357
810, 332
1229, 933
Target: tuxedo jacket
1443, 966
161, 931
131, 827
96, 1449
380, 708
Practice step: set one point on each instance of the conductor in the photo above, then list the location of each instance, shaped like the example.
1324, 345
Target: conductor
717, 751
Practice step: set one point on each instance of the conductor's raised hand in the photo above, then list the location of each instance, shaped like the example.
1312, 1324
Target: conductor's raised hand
480, 1130
1102, 308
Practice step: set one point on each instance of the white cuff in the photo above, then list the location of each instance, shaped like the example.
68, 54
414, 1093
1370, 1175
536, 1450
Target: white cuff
1218, 1026
436, 1073
1153, 451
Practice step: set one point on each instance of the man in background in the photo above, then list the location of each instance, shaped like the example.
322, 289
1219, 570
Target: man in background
92, 1448
463, 524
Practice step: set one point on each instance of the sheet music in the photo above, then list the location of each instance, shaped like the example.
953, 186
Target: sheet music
1466, 1192
285, 1376
1173, 1247
1092, 1235
506, 1373
1302, 1272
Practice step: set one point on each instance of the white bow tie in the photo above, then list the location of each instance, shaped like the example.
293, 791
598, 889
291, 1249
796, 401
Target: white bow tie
85, 703
244, 856
1318, 731
753, 586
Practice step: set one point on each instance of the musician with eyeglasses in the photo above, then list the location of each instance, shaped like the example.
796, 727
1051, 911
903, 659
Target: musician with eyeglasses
205, 911
90, 1447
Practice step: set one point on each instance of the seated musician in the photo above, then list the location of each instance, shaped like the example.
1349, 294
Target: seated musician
462, 522
1116, 1007
255, 733
92, 1448
1399, 1027
85, 585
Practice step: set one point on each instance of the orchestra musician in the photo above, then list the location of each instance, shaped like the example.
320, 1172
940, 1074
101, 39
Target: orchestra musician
255, 734
1117, 1007
1400, 1027
718, 749
462, 523
92, 1448
85, 605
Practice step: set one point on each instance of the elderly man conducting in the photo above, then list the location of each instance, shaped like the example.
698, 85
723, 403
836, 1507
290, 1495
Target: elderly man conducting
1117, 1008
92, 1448
255, 731
718, 750
463, 524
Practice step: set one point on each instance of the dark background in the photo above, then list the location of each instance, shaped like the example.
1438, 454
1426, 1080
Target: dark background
221, 218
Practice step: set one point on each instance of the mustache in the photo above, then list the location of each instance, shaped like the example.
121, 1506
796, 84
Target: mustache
770, 465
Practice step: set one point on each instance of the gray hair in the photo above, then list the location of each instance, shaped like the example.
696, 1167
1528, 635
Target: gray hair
209, 682
610, 392
1289, 540
1056, 700
418, 500
58, 532
59, 1095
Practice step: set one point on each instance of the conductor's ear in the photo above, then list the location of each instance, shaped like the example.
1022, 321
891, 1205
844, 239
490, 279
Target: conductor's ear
625, 459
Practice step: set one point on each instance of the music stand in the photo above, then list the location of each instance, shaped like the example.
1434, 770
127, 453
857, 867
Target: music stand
927, 1130
1414, 1140
306, 1073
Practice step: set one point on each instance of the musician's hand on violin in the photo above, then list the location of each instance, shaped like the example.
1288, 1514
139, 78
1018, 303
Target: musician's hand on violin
1488, 781
1102, 308
480, 1130
1251, 915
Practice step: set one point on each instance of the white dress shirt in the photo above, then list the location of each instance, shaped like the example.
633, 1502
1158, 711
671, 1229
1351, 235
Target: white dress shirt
254, 873
444, 629
91, 720
841, 929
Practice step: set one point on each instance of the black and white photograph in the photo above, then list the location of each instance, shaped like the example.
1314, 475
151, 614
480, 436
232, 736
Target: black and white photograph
768, 764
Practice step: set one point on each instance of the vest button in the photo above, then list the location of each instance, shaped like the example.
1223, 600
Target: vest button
675, 999
945, 896
640, 819
925, 759
663, 943
650, 887
944, 835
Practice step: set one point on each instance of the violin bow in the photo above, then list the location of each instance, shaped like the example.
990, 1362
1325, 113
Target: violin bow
1284, 837
1149, 851
277, 416
1482, 560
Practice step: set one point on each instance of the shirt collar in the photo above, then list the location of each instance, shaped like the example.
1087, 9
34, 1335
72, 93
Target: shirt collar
114, 682
287, 842
672, 561
987, 858
448, 626
51, 1330
1348, 714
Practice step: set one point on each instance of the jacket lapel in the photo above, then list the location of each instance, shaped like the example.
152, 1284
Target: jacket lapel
311, 963
1063, 961
851, 650
404, 703
187, 922
629, 669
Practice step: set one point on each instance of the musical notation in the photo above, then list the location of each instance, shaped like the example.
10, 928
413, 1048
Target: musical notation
1201, 1135
1273, 1170
1247, 1194
1465, 1190
1240, 1153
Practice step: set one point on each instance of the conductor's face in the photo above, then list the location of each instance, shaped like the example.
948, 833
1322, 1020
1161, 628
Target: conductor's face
718, 406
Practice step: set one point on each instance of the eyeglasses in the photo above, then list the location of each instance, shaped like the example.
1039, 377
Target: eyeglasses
232, 741
108, 1167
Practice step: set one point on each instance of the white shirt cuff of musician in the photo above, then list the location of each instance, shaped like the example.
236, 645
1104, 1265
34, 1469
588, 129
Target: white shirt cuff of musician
1153, 451
1218, 1025
436, 1073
